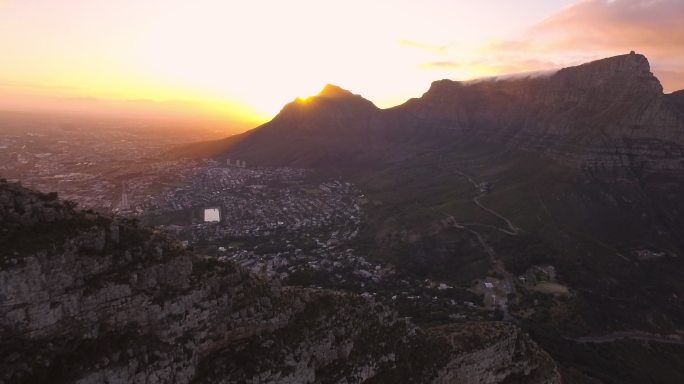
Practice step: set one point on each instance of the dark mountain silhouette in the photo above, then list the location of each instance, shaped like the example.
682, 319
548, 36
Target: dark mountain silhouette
584, 114
596, 114
324, 127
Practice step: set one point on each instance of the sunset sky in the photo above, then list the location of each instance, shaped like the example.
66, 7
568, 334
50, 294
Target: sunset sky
243, 60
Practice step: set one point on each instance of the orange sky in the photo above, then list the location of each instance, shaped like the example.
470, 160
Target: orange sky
241, 61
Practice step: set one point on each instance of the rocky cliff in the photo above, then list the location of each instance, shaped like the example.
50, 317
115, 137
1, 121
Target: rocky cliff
91, 299
609, 113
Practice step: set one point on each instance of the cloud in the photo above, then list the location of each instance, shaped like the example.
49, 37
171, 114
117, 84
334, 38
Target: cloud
444, 64
602, 24
510, 65
671, 80
24, 87
585, 31
605, 27
423, 46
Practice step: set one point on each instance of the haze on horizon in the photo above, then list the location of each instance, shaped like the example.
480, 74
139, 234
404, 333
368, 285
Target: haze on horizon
239, 62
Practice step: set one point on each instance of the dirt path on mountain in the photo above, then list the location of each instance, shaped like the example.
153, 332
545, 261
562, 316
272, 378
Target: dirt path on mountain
507, 279
512, 229
629, 335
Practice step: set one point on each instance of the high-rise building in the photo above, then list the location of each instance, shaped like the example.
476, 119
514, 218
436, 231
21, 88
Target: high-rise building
124, 204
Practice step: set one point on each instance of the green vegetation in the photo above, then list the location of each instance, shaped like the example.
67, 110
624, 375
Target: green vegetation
618, 362
65, 360
585, 225
307, 277
209, 266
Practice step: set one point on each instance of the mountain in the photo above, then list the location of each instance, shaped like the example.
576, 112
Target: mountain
326, 127
607, 113
86, 298
579, 169
593, 114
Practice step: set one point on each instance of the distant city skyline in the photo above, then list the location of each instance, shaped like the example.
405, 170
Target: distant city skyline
242, 61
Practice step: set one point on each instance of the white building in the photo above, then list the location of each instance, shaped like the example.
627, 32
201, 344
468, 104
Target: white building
212, 215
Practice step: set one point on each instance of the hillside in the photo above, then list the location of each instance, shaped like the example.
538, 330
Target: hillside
586, 163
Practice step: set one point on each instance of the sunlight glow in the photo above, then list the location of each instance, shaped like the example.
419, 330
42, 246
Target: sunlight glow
247, 59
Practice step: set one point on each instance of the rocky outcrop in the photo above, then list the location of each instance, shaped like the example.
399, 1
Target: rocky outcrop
92, 299
503, 353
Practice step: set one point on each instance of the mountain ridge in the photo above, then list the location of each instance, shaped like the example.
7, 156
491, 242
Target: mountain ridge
578, 115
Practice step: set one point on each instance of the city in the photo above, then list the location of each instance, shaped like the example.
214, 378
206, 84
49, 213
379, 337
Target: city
278, 222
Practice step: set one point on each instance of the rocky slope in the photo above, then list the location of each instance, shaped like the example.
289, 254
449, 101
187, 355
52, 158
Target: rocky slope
92, 299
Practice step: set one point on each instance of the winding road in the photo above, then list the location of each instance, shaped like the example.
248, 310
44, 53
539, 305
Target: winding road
498, 267
508, 279
630, 335
512, 229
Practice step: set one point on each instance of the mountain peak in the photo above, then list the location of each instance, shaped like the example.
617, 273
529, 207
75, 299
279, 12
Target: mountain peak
332, 91
442, 85
332, 95
632, 62
630, 71
331, 107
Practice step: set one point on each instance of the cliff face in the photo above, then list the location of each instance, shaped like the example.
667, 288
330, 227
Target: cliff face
607, 113
498, 341
90, 299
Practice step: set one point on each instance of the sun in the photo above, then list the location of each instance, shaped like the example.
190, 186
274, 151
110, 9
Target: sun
304, 99
309, 91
